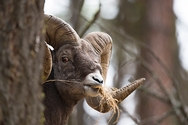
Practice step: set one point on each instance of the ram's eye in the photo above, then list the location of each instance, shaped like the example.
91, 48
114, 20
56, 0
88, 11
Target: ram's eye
65, 59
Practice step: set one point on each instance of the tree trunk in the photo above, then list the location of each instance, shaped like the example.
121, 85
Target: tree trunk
21, 52
159, 35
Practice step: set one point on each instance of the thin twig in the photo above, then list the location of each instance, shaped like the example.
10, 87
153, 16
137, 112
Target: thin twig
64, 81
164, 116
156, 120
154, 94
95, 17
177, 106
76, 18
131, 116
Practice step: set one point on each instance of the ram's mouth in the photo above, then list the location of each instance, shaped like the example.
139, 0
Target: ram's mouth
92, 90
94, 87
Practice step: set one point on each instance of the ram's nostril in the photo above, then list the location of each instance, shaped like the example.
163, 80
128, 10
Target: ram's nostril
98, 80
101, 81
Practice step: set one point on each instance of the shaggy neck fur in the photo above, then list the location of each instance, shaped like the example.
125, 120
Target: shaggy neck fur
57, 110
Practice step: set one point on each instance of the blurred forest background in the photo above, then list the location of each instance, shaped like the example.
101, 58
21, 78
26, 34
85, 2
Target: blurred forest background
148, 37
145, 44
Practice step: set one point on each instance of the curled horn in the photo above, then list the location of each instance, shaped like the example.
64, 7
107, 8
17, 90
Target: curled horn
47, 63
118, 94
102, 44
122, 93
58, 32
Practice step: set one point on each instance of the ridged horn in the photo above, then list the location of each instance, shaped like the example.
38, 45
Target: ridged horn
59, 32
118, 94
102, 44
47, 63
122, 93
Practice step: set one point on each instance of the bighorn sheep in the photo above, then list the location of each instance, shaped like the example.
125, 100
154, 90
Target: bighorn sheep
77, 69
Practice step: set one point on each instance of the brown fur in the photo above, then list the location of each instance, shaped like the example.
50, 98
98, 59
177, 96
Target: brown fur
61, 97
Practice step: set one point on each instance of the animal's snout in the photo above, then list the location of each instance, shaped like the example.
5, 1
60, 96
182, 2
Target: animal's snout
98, 79
94, 79
92, 83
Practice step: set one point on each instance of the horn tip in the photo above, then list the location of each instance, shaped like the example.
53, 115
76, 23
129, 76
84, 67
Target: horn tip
142, 80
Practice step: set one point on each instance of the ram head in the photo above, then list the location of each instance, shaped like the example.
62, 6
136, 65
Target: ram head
76, 69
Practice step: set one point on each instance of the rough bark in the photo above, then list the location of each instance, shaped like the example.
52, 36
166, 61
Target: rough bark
21, 62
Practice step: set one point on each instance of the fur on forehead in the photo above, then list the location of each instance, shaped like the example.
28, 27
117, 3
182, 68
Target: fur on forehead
88, 48
85, 45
